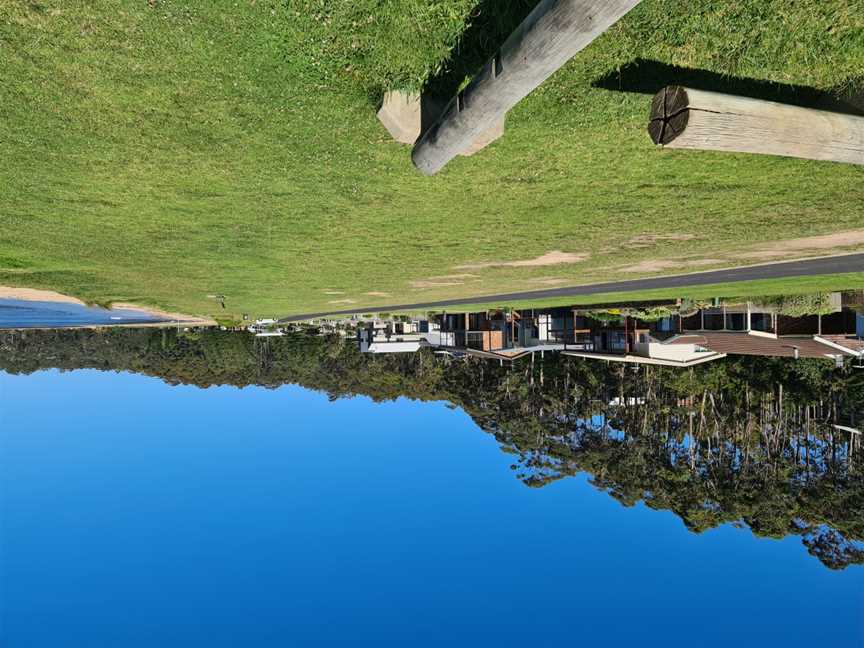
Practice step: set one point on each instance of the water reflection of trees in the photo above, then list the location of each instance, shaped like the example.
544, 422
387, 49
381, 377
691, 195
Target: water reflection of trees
751, 441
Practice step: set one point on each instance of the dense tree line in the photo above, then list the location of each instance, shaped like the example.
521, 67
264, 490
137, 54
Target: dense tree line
749, 441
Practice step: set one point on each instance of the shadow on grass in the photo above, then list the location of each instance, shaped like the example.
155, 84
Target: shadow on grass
492, 21
648, 77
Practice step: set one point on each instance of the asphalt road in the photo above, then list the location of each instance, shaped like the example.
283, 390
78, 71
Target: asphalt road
808, 267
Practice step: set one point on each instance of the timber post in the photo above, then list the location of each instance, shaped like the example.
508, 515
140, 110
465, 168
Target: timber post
553, 33
697, 119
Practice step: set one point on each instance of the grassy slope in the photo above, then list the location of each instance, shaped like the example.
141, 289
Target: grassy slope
164, 154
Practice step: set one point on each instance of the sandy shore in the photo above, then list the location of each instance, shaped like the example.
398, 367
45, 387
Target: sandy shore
32, 294
185, 319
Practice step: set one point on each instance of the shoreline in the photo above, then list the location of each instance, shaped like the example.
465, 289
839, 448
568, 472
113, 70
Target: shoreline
96, 327
171, 318
168, 315
33, 294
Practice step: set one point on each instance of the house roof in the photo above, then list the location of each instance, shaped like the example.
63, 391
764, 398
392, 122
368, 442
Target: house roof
513, 354
394, 347
637, 359
851, 343
742, 343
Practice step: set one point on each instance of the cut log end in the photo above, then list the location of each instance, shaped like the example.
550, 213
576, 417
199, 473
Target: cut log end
669, 114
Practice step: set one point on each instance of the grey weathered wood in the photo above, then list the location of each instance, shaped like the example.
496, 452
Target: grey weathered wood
697, 119
554, 32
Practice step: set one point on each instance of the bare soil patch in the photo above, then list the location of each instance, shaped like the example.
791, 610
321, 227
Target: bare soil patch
453, 276
433, 284
831, 242
669, 264
647, 240
444, 280
555, 257
547, 281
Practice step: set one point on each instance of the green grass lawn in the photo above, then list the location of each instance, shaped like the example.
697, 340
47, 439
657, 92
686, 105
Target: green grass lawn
164, 153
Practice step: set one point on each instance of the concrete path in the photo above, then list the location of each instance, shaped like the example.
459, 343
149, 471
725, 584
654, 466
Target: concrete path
806, 267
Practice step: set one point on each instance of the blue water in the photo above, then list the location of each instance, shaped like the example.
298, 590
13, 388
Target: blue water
133, 513
16, 313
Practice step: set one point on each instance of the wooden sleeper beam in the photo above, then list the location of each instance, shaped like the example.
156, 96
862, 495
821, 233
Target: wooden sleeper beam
698, 119
553, 33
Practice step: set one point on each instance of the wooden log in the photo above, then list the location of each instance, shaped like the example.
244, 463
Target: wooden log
697, 119
554, 32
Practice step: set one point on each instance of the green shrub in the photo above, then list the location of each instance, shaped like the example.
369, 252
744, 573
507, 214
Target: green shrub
797, 305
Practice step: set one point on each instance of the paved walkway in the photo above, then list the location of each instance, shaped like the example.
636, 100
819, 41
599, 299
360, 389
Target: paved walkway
807, 267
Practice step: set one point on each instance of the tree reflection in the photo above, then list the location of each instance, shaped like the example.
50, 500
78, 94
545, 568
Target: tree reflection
765, 443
